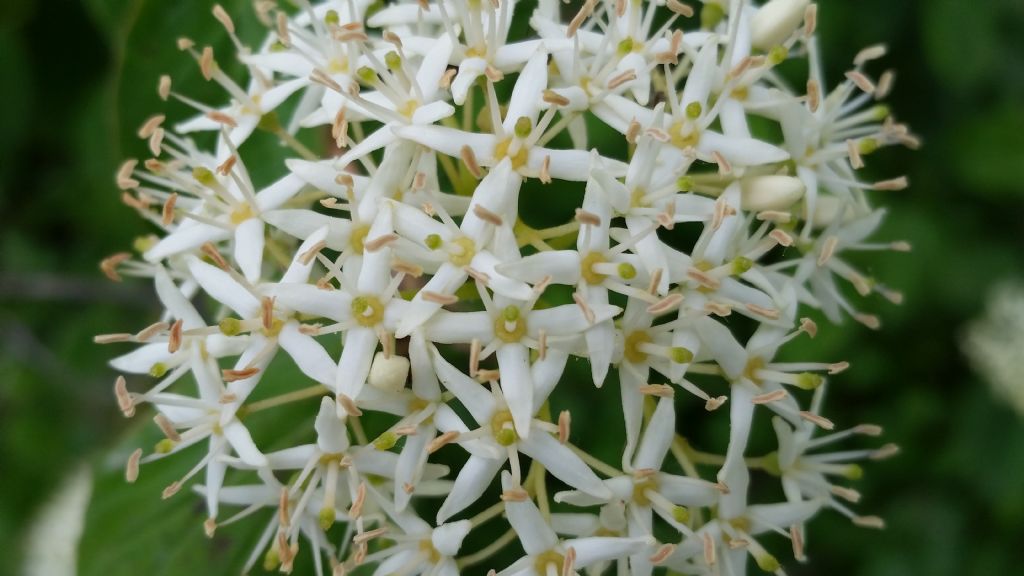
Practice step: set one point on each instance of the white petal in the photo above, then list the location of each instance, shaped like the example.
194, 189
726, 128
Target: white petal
650, 250
279, 192
223, 288
477, 399
469, 70
375, 274
563, 463
355, 362
447, 538
142, 359
299, 271
331, 435
433, 112
459, 327
632, 408
300, 223
240, 439
486, 262
174, 301
701, 76
308, 299
575, 524
207, 375
433, 67
273, 98
768, 516
410, 463
375, 141
424, 376
658, 436
322, 175
687, 491
562, 265
741, 151
512, 56
546, 374
603, 548
414, 224
723, 347
568, 319
497, 192
249, 248
308, 354
534, 532
572, 165
215, 470
469, 486
450, 141
184, 238
640, 88
526, 95
517, 385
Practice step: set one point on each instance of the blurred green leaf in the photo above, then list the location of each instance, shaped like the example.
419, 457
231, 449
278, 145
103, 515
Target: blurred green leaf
17, 107
960, 42
129, 530
989, 152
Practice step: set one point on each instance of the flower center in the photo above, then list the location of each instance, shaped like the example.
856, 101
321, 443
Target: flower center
427, 547
241, 214
368, 311
640, 488
546, 559
683, 135
632, 349
587, 268
510, 326
358, 237
514, 148
503, 429
463, 253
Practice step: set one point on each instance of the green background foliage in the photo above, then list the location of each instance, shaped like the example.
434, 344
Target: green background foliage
79, 77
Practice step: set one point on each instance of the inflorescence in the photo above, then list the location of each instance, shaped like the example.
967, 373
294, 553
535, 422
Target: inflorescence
727, 202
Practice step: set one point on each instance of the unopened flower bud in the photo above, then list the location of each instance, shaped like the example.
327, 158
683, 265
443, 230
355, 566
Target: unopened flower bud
773, 192
388, 373
775, 21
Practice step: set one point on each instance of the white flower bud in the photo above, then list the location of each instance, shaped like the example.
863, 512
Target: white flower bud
826, 210
388, 373
775, 21
775, 192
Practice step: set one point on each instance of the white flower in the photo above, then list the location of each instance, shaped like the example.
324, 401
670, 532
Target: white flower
496, 440
545, 552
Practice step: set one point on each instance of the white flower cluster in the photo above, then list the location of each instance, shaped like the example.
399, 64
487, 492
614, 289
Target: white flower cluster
725, 193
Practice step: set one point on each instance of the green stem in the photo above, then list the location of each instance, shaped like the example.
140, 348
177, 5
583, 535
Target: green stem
487, 552
296, 396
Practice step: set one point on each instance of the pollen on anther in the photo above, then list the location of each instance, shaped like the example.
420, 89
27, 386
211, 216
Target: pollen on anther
163, 88
174, 341
545, 171
124, 175
124, 398
131, 471
487, 216
588, 218
469, 158
349, 405
167, 213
